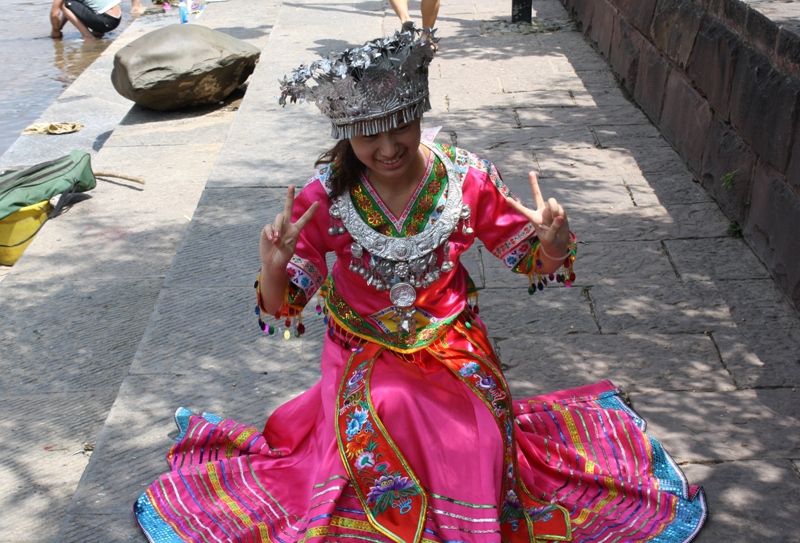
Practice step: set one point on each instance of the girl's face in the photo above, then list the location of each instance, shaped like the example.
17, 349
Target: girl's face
391, 156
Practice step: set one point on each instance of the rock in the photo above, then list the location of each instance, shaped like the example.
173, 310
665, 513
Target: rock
180, 66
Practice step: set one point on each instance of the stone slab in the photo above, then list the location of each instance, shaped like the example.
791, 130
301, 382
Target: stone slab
627, 135
626, 44
255, 165
139, 430
650, 223
498, 119
635, 362
691, 308
221, 247
229, 336
724, 426
714, 259
763, 106
775, 207
591, 116
685, 119
639, 262
45, 437
651, 80
118, 527
511, 312
555, 137
669, 190
749, 502
712, 63
761, 356
727, 170
70, 331
758, 303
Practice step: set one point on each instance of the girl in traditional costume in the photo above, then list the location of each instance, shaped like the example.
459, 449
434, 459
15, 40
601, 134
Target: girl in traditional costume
411, 433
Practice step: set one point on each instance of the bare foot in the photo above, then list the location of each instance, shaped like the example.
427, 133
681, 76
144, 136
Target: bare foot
136, 7
56, 34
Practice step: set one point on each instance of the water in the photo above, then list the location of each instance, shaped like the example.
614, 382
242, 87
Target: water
34, 68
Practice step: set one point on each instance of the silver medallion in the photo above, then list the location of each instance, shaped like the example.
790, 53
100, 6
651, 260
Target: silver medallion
402, 295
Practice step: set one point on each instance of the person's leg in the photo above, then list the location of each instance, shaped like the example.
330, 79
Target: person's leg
430, 10
136, 7
400, 7
67, 10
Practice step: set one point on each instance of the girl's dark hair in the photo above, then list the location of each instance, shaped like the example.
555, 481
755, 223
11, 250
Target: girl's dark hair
345, 167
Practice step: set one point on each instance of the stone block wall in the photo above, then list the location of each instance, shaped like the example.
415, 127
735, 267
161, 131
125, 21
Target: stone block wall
722, 82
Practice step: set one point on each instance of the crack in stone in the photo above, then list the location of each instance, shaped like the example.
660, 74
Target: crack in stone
671, 263
722, 361
630, 194
585, 292
594, 135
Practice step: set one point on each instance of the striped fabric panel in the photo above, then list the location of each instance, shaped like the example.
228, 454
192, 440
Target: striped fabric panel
617, 482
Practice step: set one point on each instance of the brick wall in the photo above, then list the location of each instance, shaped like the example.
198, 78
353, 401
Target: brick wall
722, 82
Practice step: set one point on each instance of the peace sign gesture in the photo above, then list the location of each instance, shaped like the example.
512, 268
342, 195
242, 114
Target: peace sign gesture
549, 219
279, 239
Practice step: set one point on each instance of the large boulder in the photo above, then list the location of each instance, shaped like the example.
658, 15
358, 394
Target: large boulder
182, 65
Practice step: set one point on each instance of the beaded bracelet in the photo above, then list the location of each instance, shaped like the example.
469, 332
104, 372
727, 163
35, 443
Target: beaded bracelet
292, 313
565, 274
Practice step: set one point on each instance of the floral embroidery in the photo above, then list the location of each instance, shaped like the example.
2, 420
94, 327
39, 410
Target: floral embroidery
304, 275
542, 512
357, 422
364, 460
427, 197
387, 490
377, 468
323, 175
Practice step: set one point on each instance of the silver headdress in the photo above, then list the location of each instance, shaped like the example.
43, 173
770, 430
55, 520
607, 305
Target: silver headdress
368, 89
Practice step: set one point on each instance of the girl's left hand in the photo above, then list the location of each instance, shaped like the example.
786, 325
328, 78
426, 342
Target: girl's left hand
549, 219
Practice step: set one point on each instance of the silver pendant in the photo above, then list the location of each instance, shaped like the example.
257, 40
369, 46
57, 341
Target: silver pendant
402, 295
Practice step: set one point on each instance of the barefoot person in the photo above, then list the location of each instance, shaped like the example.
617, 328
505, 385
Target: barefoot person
411, 434
92, 18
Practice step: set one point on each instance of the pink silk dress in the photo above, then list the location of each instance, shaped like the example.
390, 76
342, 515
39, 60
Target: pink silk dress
413, 436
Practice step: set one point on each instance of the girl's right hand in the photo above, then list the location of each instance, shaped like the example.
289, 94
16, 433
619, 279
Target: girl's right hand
279, 239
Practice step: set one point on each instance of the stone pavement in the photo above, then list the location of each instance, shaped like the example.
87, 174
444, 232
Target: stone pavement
105, 333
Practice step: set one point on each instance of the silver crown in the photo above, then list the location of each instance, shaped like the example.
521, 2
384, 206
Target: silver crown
368, 89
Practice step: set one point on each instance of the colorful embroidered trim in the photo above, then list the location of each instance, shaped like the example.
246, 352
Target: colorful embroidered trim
339, 314
290, 313
470, 358
531, 264
390, 493
369, 202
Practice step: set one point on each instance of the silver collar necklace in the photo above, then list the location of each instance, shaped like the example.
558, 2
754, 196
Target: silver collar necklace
400, 265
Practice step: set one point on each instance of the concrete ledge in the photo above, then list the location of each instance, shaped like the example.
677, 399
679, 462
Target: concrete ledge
721, 79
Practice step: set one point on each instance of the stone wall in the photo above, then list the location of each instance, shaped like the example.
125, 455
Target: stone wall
722, 82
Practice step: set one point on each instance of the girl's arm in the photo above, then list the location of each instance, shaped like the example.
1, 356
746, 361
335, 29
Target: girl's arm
278, 242
552, 227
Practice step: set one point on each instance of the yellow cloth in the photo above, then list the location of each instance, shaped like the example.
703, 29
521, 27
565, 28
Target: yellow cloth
53, 128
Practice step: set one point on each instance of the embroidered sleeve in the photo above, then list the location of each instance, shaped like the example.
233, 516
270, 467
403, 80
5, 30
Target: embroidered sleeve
507, 234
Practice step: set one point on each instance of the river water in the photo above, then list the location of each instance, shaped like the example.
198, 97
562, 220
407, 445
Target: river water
34, 68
